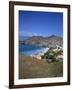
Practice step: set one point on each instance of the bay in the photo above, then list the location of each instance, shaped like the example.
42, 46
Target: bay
29, 50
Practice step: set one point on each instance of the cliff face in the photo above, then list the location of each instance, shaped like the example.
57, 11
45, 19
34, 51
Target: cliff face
51, 41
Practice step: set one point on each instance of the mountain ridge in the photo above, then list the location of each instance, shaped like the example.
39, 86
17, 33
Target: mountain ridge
50, 41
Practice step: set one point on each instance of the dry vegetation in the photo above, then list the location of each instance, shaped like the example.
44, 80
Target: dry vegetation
30, 67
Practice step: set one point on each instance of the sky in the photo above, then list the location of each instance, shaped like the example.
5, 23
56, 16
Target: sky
36, 23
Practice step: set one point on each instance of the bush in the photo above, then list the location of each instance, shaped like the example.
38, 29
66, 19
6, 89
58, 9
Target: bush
51, 55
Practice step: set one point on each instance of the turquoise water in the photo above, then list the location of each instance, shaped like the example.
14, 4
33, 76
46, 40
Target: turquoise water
30, 49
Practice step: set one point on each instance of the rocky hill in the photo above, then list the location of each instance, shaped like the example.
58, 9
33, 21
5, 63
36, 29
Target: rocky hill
50, 41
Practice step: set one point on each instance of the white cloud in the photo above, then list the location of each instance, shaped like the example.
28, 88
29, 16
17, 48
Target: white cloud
25, 33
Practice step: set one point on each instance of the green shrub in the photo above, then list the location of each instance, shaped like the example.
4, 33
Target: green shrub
51, 55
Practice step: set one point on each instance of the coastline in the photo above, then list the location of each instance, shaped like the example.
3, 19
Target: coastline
38, 55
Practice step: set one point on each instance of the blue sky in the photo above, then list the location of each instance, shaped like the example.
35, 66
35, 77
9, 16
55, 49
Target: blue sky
34, 23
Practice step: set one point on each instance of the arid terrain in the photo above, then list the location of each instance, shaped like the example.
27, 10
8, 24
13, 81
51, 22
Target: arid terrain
30, 67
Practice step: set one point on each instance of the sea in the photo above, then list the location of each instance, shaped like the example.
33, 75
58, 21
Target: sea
29, 50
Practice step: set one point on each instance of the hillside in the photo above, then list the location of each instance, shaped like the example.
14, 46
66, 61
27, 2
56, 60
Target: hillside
30, 67
50, 41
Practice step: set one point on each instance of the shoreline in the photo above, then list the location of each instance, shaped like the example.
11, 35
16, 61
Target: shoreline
38, 56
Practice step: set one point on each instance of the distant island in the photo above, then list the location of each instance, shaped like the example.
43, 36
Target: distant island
51, 41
